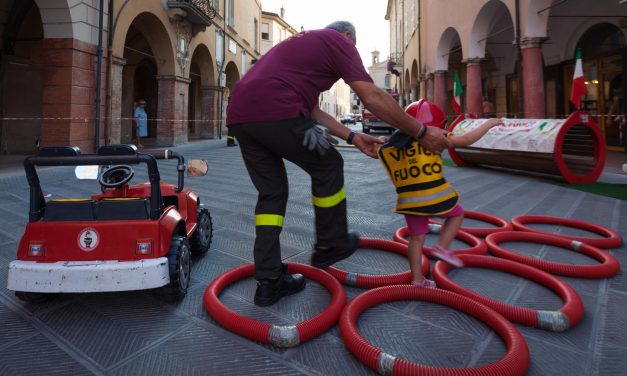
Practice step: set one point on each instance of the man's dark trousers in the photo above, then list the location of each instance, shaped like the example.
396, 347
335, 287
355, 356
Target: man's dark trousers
264, 145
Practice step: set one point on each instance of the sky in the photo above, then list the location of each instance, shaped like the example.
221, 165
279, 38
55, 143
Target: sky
368, 16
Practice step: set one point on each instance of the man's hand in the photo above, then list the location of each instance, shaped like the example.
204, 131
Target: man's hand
367, 144
435, 140
318, 138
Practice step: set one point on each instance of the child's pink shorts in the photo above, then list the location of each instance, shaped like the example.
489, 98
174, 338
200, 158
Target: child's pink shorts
419, 224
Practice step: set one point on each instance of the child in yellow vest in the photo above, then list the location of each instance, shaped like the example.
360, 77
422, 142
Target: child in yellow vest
422, 190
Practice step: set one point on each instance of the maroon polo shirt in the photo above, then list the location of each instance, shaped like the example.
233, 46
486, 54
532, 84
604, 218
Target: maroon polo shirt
287, 81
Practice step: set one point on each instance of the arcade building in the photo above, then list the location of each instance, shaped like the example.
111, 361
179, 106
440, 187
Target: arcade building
518, 54
182, 57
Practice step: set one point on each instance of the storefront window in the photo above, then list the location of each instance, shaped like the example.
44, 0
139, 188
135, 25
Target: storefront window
590, 103
614, 119
606, 97
603, 71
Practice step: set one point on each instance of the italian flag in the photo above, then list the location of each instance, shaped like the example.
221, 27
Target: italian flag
579, 84
457, 94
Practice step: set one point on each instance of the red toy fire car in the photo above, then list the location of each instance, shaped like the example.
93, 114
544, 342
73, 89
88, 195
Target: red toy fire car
129, 237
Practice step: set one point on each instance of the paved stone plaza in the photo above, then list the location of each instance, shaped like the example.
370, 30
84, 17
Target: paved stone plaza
135, 333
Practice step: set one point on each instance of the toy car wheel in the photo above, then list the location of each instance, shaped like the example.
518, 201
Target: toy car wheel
35, 297
180, 264
200, 241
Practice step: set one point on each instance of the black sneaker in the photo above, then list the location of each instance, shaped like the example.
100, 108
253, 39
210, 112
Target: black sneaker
325, 257
269, 291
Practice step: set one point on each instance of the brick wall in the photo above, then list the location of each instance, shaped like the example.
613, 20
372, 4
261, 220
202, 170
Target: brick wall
209, 113
69, 82
172, 110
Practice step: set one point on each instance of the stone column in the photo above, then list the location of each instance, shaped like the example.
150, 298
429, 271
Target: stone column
209, 111
115, 130
439, 89
414, 92
172, 110
473, 87
430, 89
533, 78
423, 87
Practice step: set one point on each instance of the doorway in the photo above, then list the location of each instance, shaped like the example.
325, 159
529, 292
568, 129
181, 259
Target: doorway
146, 88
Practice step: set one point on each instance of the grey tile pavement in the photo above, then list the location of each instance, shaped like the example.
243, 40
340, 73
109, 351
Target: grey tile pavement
135, 333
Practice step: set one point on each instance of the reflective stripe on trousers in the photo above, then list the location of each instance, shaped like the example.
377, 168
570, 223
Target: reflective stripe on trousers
269, 220
329, 201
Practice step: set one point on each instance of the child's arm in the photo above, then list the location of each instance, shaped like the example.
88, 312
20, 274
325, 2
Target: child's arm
472, 136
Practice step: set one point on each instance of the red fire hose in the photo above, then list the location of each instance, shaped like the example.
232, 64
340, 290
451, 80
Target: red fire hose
558, 321
514, 362
368, 281
609, 265
477, 246
611, 238
277, 335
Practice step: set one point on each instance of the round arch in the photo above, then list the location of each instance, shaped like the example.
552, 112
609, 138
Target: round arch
201, 75
448, 41
202, 58
232, 75
588, 27
50, 19
535, 22
485, 27
146, 48
414, 81
153, 25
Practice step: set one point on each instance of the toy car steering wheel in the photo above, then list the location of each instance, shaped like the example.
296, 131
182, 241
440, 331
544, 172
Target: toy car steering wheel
116, 176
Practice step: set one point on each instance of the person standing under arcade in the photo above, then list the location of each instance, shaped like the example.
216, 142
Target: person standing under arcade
274, 114
141, 121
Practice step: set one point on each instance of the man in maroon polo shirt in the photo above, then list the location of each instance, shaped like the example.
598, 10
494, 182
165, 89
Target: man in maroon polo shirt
273, 113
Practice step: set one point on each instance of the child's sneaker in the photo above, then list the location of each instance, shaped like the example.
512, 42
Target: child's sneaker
447, 256
424, 283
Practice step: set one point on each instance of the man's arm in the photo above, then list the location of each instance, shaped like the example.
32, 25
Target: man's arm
336, 128
387, 109
365, 143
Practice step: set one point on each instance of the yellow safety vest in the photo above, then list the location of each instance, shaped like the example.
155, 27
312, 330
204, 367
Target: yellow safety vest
417, 175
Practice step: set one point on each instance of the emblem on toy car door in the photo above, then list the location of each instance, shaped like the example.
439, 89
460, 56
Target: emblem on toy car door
88, 239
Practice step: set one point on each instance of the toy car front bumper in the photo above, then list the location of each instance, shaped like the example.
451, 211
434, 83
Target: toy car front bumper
88, 276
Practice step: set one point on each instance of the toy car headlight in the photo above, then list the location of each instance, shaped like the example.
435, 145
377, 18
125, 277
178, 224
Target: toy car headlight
36, 249
144, 247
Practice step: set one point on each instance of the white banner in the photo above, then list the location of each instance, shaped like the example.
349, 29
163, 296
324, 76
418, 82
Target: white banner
536, 135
